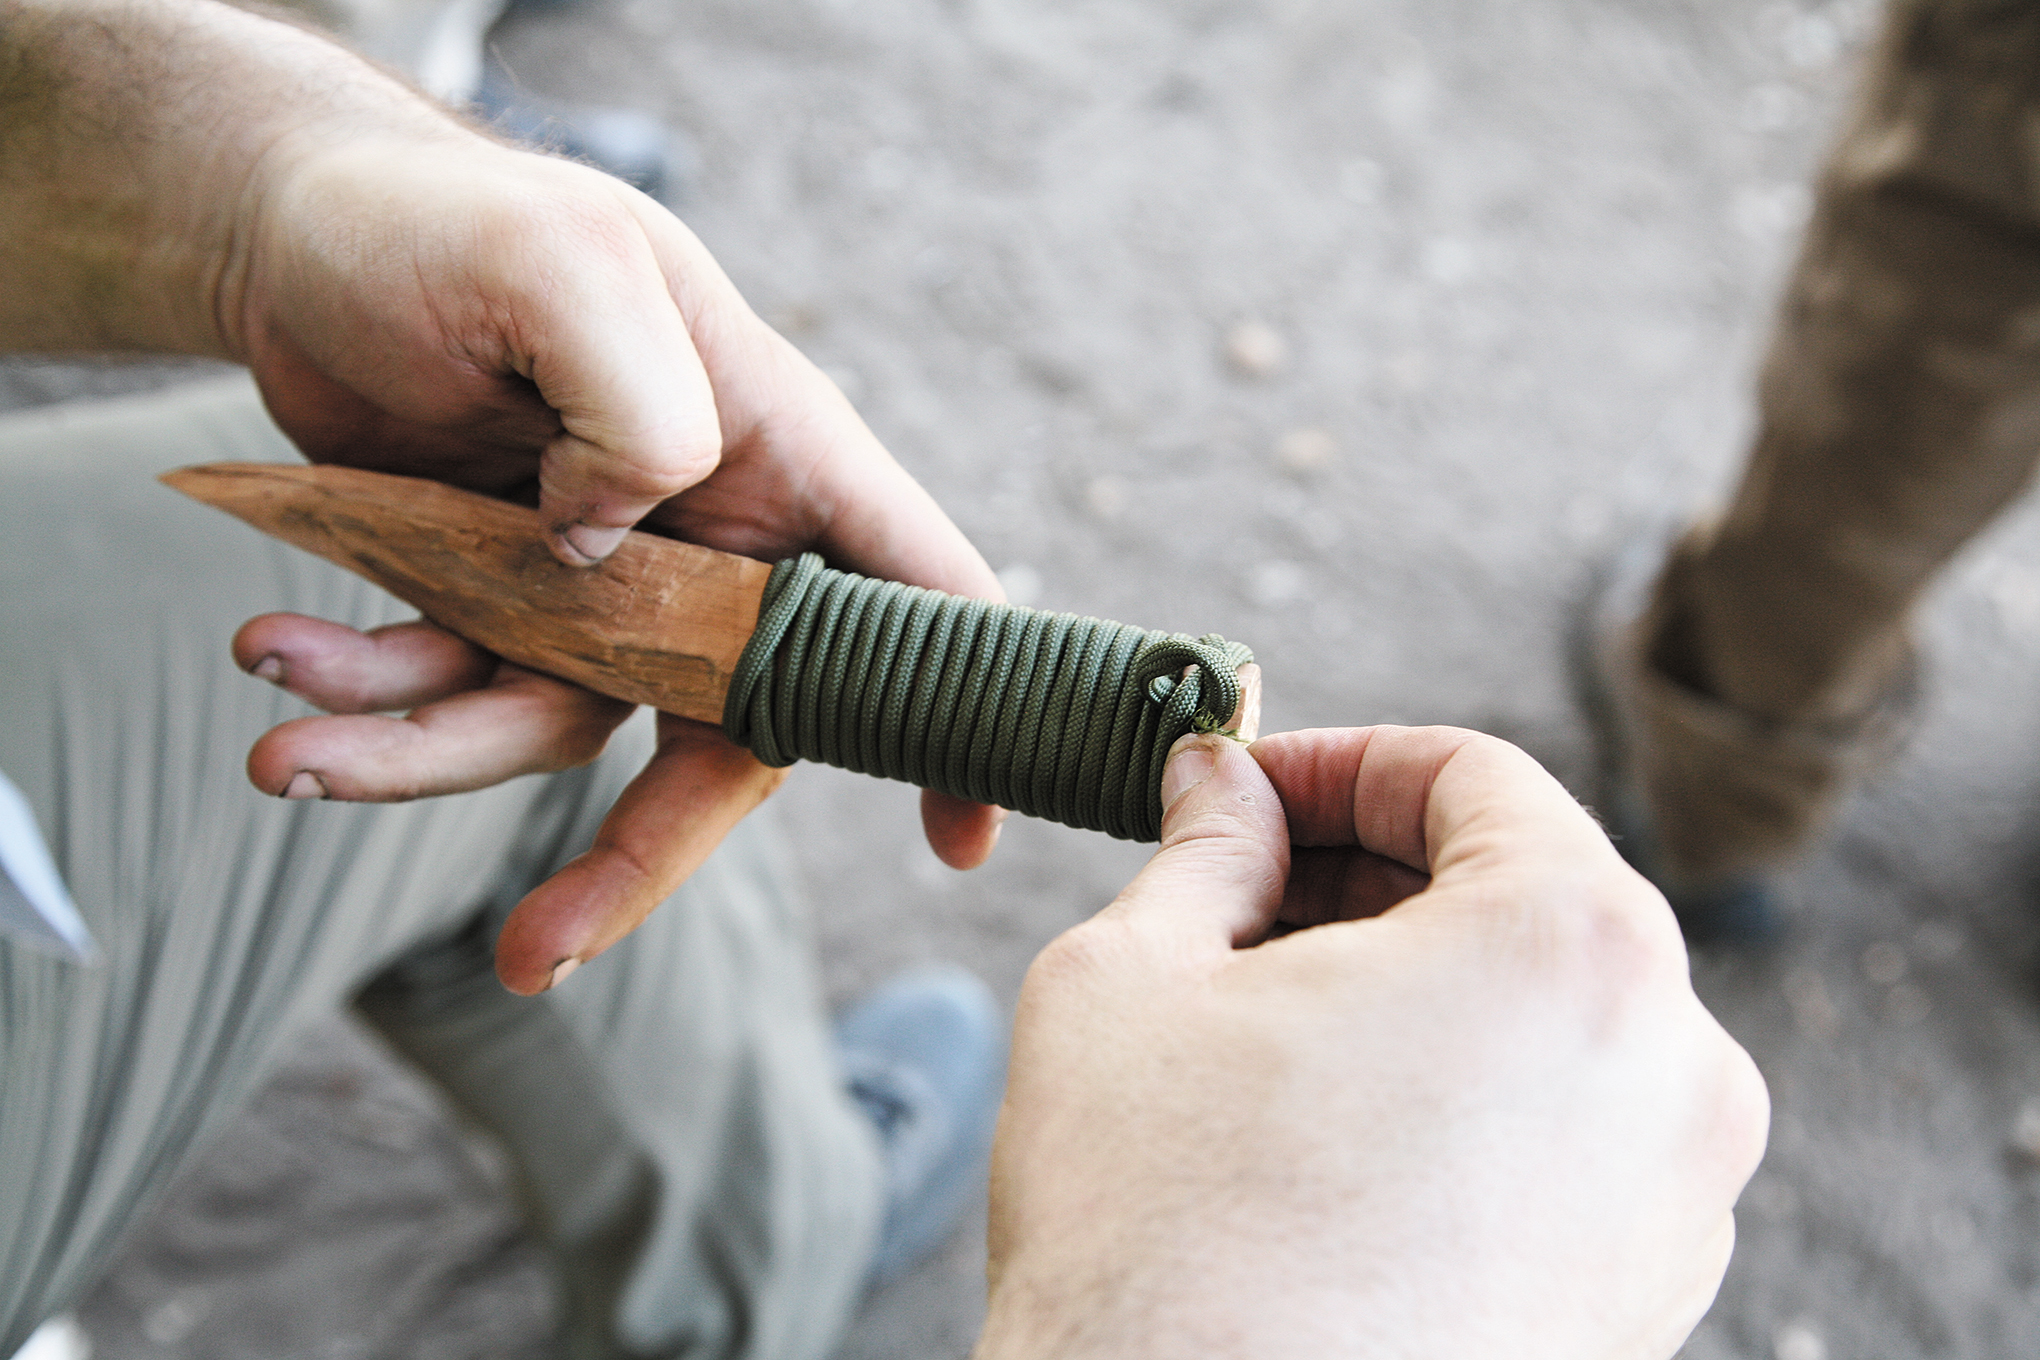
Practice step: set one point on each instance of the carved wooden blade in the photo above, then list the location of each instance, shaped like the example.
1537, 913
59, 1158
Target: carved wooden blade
660, 622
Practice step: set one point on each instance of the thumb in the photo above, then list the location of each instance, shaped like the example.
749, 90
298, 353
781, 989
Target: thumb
1225, 849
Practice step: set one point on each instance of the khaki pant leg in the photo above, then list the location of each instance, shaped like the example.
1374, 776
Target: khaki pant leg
1900, 412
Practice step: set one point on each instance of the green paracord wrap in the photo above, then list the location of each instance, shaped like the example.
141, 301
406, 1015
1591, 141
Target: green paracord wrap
1054, 715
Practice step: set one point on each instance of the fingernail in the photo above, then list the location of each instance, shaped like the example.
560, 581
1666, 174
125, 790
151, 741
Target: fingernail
269, 668
305, 784
591, 542
1190, 764
560, 971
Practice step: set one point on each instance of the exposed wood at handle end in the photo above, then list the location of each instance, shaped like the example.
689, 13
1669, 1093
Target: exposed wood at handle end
1246, 719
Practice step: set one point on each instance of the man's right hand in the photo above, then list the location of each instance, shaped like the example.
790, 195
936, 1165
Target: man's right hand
1467, 1106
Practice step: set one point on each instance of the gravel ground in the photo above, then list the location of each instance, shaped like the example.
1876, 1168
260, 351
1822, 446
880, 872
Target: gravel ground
1358, 329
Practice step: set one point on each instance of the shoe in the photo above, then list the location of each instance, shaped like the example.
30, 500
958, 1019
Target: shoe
1700, 797
1732, 910
924, 1057
1737, 909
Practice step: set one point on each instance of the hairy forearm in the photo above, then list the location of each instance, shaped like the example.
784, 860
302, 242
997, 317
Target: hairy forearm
136, 140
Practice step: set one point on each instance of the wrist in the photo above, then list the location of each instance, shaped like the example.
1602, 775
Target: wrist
1025, 1322
1202, 1286
1097, 1298
142, 138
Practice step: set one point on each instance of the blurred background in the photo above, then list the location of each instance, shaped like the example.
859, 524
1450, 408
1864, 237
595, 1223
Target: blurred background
1361, 330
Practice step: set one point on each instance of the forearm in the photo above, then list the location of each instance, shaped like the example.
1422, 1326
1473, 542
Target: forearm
1150, 1304
136, 139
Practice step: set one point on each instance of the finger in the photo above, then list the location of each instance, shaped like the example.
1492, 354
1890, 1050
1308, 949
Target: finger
1344, 883
344, 670
834, 486
598, 332
855, 502
1216, 882
475, 429
1430, 797
878, 519
866, 514
961, 833
697, 787
521, 723
829, 482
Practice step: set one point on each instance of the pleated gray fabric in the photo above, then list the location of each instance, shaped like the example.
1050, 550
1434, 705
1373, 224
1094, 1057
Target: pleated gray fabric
674, 1107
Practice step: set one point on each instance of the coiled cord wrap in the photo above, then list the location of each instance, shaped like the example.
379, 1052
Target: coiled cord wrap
1054, 715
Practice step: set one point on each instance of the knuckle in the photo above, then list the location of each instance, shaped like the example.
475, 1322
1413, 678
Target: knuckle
674, 459
641, 466
1226, 857
1607, 943
564, 207
1078, 956
587, 737
1741, 1105
563, 727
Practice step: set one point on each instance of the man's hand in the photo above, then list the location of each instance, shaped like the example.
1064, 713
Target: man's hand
549, 330
415, 297
1474, 1113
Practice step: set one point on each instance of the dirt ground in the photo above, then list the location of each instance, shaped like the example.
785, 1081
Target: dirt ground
1357, 329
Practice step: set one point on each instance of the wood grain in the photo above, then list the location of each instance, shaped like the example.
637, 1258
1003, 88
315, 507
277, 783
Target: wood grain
660, 622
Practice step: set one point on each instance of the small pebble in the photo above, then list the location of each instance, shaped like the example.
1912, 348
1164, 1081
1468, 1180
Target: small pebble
1798, 1341
1410, 371
1884, 963
1256, 349
1907, 1004
1770, 1196
1813, 1009
848, 380
1106, 496
1939, 939
1305, 451
796, 320
2026, 1131
174, 1319
1276, 582
1952, 1229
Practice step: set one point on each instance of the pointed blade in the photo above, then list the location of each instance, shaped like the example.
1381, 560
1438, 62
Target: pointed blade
660, 622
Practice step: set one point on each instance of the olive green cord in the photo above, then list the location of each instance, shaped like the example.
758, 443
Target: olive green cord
1054, 715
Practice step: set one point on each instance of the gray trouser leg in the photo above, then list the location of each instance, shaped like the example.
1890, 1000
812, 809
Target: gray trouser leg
672, 1109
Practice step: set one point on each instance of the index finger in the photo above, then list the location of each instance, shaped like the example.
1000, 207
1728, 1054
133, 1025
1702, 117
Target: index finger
608, 349
1434, 798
